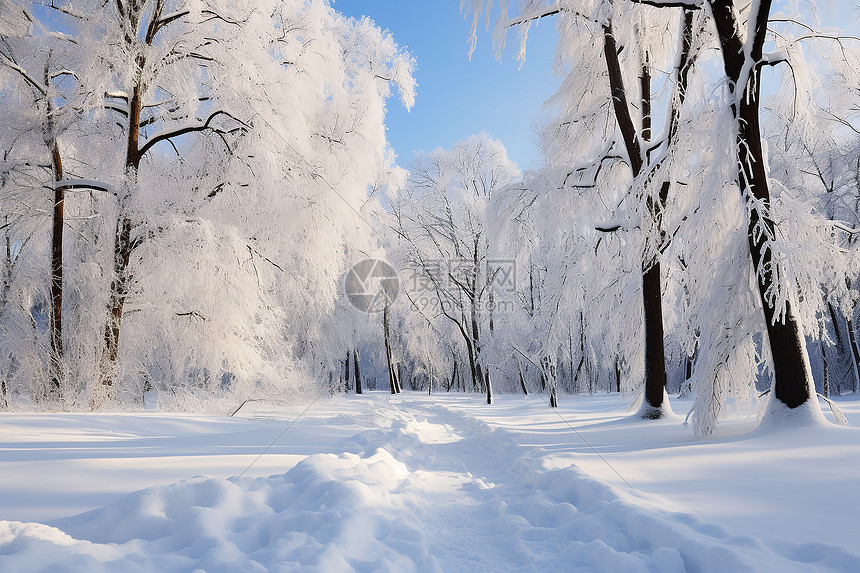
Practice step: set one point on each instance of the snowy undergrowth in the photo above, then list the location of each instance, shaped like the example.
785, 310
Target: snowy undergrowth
426, 489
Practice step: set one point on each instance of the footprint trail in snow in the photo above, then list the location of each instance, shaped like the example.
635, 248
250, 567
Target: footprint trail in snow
426, 489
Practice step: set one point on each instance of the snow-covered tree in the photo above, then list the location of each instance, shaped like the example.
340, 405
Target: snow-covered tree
665, 226
607, 125
237, 143
440, 219
42, 90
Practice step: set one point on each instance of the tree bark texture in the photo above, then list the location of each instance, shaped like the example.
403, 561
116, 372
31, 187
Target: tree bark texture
792, 376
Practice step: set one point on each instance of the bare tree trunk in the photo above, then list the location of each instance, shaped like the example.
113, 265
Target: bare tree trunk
544, 362
123, 246
842, 344
792, 383
655, 362
116, 304
491, 305
392, 375
581, 351
482, 380
57, 223
358, 389
346, 373
7, 287
855, 353
571, 378
825, 385
57, 369
553, 388
655, 358
398, 378
470, 351
523, 381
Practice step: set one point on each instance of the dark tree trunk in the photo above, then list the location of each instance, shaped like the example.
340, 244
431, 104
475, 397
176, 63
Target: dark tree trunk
846, 347
549, 377
123, 246
473, 366
655, 359
398, 378
655, 363
843, 346
116, 304
56, 313
346, 373
7, 287
855, 353
392, 375
358, 389
491, 305
571, 380
57, 224
825, 384
453, 376
523, 382
792, 382
544, 362
482, 378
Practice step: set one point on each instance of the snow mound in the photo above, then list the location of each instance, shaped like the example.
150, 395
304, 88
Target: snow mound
779, 417
329, 513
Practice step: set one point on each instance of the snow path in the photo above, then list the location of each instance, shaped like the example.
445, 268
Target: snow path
425, 489
792, 484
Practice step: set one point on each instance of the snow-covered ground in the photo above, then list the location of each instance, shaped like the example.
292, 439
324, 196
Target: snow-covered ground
417, 483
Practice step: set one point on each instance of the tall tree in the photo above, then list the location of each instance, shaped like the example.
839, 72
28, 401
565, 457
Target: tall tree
441, 219
16, 36
631, 145
199, 117
743, 60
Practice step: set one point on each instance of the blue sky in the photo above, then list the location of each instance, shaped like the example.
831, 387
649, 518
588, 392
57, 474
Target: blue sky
457, 98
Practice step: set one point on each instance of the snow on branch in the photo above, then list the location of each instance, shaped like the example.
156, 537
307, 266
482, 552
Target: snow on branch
56, 75
67, 11
212, 15
156, 24
15, 21
534, 17
68, 184
30, 79
164, 136
688, 4
773, 58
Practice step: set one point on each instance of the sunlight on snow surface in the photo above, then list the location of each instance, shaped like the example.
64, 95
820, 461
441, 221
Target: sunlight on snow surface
428, 484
